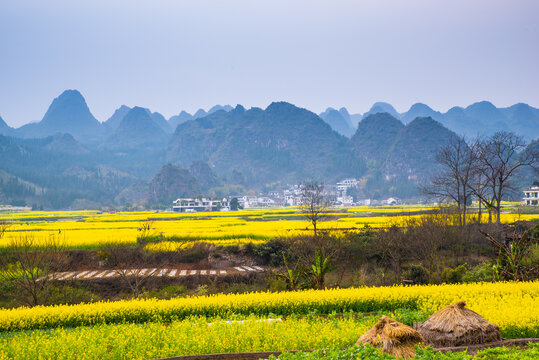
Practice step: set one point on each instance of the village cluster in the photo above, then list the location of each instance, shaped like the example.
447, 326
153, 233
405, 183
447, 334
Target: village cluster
291, 195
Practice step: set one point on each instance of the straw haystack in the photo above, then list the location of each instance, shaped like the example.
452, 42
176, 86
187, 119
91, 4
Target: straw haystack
457, 326
392, 337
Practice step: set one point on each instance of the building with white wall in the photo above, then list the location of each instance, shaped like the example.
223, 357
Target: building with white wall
531, 196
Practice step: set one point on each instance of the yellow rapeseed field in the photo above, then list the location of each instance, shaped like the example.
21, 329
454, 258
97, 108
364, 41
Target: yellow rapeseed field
514, 307
93, 229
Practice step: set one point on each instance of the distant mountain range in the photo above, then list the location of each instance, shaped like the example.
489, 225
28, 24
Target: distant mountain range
71, 160
70, 113
184, 116
281, 143
481, 118
137, 130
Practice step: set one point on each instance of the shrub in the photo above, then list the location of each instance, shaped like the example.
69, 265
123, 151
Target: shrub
271, 252
170, 292
417, 274
479, 273
454, 276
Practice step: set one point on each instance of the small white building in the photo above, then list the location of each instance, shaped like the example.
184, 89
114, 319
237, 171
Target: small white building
265, 201
344, 201
364, 202
195, 205
346, 184
248, 201
531, 196
390, 201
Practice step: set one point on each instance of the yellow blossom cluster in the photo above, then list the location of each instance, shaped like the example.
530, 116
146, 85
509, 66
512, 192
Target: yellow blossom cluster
514, 307
93, 229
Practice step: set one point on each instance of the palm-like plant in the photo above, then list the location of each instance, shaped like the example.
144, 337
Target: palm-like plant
321, 267
293, 277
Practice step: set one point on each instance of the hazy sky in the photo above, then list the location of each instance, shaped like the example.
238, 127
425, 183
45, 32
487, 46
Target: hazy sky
174, 55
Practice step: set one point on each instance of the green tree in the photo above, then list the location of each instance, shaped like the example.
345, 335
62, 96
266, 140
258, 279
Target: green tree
234, 204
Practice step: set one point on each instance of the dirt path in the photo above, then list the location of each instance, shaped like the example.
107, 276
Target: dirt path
144, 272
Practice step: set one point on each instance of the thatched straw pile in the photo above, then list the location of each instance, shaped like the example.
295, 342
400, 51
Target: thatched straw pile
457, 326
392, 337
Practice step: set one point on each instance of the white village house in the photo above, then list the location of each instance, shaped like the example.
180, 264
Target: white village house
196, 205
346, 184
531, 196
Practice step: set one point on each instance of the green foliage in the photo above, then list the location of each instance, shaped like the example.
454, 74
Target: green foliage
352, 353
479, 273
408, 316
534, 231
103, 255
65, 294
454, 276
235, 204
417, 274
321, 267
294, 277
202, 290
170, 292
512, 255
272, 252
368, 352
532, 258
504, 353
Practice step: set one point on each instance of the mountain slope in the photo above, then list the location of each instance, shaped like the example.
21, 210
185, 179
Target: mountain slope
375, 136
480, 118
184, 116
420, 110
68, 113
114, 121
161, 121
382, 107
66, 171
137, 131
338, 122
170, 183
61, 143
205, 175
523, 119
5, 129
412, 155
281, 143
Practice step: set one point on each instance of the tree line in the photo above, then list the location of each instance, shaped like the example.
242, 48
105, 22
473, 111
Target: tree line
484, 169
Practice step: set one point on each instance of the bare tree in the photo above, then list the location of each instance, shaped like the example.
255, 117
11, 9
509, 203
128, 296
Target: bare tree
480, 190
501, 156
455, 181
30, 264
393, 247
314, 204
